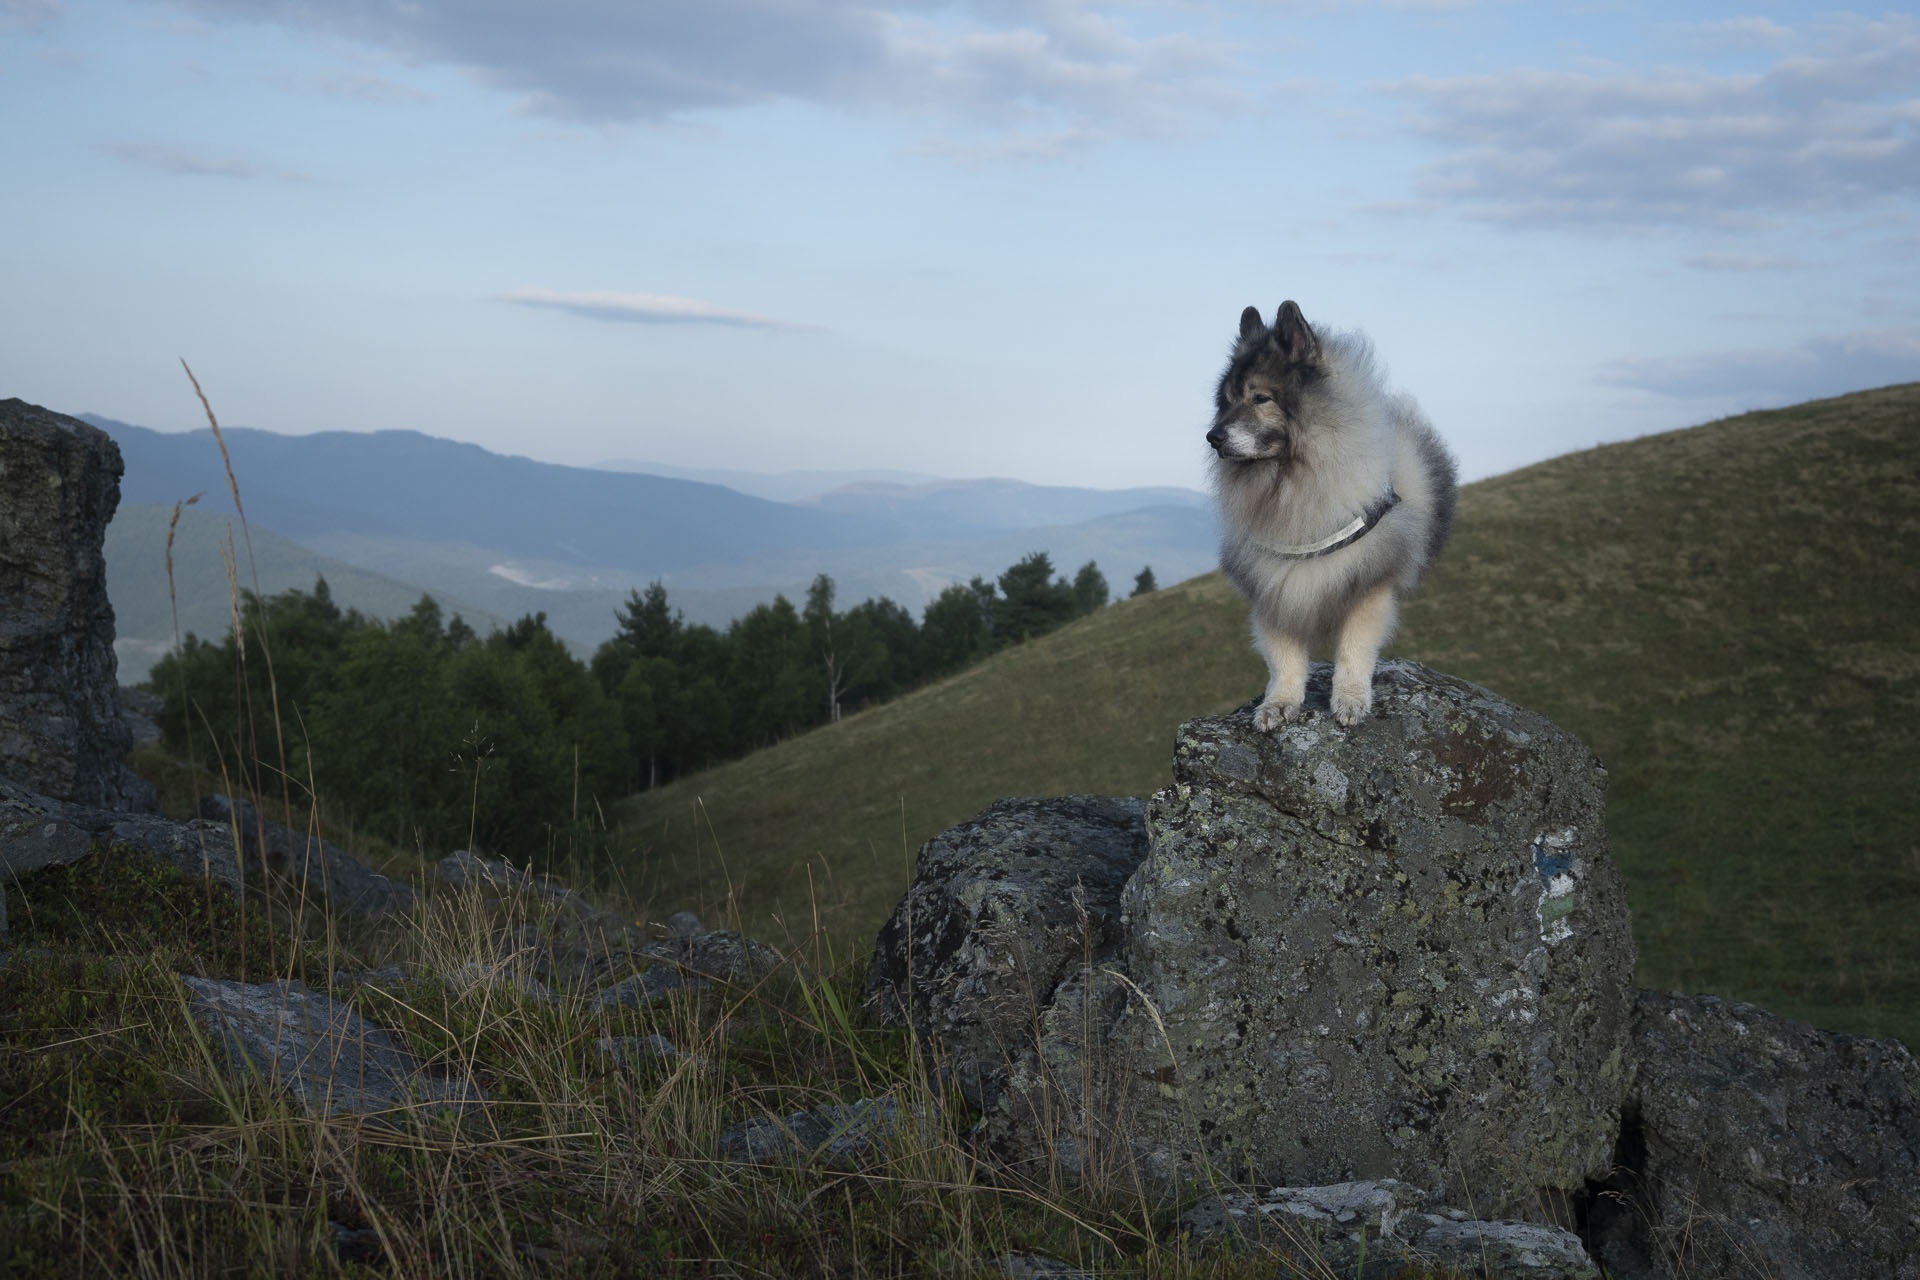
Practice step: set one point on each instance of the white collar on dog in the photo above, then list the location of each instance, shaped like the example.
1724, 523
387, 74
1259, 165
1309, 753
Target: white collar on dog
1351, 532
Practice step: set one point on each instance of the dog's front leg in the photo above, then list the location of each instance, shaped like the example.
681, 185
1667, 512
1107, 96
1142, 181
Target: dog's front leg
1366, 628
1286, 657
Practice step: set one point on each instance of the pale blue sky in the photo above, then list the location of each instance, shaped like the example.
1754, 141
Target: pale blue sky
980, 238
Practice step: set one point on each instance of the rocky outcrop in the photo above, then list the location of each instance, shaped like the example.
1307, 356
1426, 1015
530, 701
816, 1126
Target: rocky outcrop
61, 731
1374, 1230
319, 1050
39, 831
1757, 1145
1397, 950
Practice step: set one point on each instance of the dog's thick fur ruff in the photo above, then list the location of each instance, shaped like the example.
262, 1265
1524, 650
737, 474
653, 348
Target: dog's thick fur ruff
1307, 439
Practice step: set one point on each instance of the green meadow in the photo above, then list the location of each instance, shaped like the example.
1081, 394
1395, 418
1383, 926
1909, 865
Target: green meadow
1726, 614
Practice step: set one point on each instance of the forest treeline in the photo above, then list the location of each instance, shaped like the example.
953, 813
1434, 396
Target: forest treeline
422, 732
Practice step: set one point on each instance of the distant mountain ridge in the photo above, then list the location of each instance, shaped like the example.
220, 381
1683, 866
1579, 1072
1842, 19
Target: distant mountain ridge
498, 536
408, 485
775, 486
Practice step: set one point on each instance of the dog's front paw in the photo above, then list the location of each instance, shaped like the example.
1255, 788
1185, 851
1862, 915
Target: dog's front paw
1350, 706
1271, 715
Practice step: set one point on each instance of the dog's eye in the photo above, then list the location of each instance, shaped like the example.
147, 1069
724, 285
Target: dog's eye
1262, 398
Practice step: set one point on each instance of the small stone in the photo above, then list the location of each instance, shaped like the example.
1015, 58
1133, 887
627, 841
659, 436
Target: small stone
1384, 1229
1037, 1266
386, 976
850, 1136
641, 988
318, 1049
634, 1051
475, 974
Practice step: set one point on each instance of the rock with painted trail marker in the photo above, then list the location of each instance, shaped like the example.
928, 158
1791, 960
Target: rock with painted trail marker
1397, 950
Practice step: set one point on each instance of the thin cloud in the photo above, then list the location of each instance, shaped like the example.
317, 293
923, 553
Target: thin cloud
646, 308
1826, 129
1042, 68
167, 157
1746, 263
1013, 148
27, 15
1737, 34
367, 87
1818, 367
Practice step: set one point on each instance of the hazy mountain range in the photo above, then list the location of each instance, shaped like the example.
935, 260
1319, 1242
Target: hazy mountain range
388, 515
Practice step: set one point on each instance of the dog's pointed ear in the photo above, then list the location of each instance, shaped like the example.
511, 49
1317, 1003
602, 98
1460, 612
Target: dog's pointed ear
1250, 323
1295, 335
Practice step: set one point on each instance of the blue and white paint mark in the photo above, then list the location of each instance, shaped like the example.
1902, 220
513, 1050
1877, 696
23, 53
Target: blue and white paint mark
1554, 856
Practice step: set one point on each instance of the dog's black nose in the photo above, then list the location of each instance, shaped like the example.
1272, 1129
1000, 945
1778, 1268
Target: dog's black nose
1217, 437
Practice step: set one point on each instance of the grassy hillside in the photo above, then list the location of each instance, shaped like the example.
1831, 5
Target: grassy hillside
1725, 613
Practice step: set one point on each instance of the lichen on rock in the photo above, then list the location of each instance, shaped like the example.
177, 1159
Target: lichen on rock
1398, 949
1002, 909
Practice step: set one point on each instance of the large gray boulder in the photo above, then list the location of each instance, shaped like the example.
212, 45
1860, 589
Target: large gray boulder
61, 731
1396, 950
1758, 1145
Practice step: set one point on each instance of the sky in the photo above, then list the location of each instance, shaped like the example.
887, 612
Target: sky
987, 237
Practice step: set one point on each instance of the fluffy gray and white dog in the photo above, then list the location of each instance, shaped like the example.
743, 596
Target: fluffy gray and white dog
1335, 495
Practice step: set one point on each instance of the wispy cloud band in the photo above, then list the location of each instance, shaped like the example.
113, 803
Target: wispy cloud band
27, 15
1831, 123
167, 157
645, 308
1818, 367
1047, 68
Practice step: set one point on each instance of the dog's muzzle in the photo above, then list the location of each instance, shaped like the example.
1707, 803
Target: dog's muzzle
1237, 442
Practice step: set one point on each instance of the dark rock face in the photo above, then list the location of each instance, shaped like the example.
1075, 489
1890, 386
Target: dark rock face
38, 831
61, 732
1763, 1146
1397, 950
1001, 909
